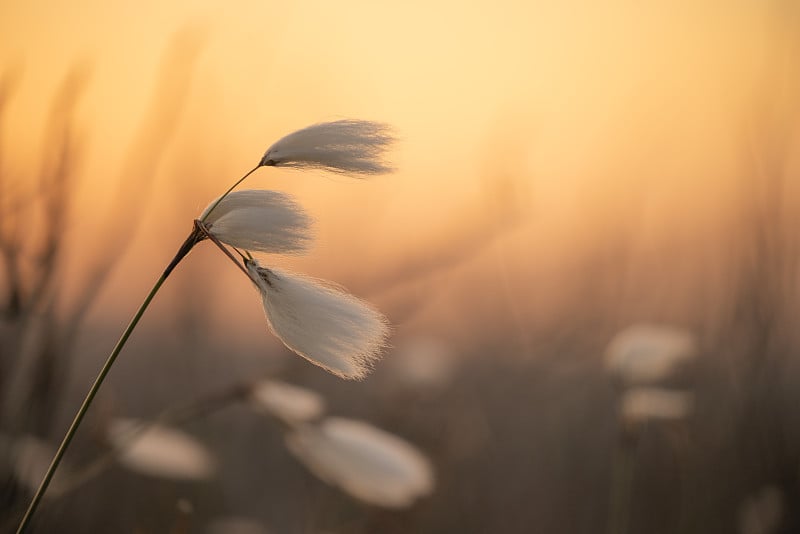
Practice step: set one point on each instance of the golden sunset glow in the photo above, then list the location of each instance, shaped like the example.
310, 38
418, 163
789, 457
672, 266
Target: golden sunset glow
585, 261
593, 117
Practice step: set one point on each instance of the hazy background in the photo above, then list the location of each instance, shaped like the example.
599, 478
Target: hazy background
564, 169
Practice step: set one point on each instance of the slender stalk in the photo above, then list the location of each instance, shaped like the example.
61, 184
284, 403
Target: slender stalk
231, 188
203, 229
199, 233
193, 238
622, 482
176, 415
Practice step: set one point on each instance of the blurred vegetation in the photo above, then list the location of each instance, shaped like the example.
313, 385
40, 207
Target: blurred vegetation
522, 434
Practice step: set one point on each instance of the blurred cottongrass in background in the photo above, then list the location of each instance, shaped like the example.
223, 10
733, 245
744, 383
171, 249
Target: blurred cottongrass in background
589, 256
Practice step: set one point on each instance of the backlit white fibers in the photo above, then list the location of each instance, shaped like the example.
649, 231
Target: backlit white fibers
364, 461
320, 322
344, 146
265, 221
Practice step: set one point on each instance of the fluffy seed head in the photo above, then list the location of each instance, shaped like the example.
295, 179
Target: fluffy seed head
287, 402
645, 353
266, 221
320, 322
30, 458
363, 461
643, 403
159, 451
423, 362
344, 146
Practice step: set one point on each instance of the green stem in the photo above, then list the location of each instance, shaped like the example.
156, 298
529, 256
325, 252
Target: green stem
199, 226
622, 482
231, 188
193, 238
176, 415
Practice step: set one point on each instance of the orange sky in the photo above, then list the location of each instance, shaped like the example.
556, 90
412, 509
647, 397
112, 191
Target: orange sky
590, 115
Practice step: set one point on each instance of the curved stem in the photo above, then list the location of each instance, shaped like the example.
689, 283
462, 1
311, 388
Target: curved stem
231, 188
175, 415
193, 238
203, 229
622, 482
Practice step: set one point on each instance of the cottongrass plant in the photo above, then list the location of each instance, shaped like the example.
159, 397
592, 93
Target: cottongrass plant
320, 322
344, 147
638, 358
30, 458
644, 353
641, 404
255, 220
424, 363
159, 450
365, 462
242, 222
289, 403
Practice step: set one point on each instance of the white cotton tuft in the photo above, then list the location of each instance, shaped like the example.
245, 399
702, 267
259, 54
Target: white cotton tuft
159, 451
646, 353
31, 459
424, 362
287, 402
344, 146
363, 461
265, 221
643, 403
321, 323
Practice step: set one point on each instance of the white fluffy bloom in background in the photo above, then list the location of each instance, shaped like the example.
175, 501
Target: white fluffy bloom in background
264, 221
30, 458
640, 404
159, 451
423, 362
363, 461
646, 353
320, 322
344, 146
290, 403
